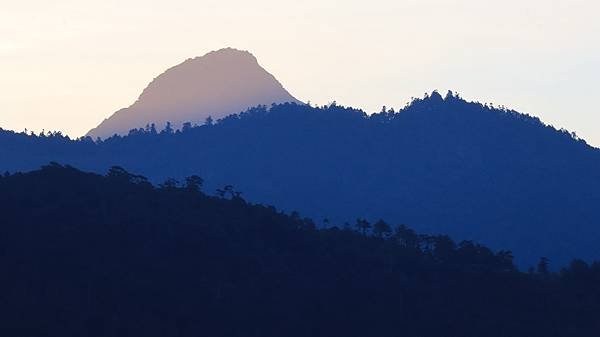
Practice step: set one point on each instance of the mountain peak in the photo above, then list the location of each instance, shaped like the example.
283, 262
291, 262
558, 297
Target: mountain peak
229, 52
218, 84
435, 96
224, 55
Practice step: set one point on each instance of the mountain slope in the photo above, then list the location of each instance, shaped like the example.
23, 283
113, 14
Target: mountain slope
90, 255
440, 165
217, 84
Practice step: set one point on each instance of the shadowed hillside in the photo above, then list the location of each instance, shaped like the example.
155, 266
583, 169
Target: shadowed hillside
90, 255
440, 165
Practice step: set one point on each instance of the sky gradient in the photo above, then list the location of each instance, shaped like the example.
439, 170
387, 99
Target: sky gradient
66, 65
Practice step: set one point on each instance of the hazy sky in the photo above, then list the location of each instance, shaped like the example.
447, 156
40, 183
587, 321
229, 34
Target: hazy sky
67, 64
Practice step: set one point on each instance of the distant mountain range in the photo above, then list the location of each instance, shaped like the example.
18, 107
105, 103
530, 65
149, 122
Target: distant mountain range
440, 165
215, 85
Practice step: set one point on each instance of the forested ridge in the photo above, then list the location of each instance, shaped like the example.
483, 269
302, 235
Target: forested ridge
440, 165
84, 254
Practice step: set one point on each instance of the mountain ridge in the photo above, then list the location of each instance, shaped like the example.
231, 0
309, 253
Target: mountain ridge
90, 255
439, 165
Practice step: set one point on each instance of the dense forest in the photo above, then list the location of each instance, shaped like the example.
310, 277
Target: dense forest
90, 255
440, 165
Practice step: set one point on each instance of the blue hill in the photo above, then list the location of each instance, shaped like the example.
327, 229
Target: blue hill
440, 165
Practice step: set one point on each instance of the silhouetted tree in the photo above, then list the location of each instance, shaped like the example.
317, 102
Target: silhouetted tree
117, 172
406, 237
363, 225
543, 266
381, 229
170, 183
194, 183
444, 248
168, 128
227, 190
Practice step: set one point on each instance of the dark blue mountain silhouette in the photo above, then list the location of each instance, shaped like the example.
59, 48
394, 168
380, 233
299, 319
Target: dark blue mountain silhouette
440, 165
90, 255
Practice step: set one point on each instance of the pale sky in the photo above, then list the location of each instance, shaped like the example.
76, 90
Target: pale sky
67, 64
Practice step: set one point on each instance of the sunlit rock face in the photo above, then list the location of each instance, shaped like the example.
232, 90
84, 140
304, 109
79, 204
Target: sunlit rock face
217, 84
